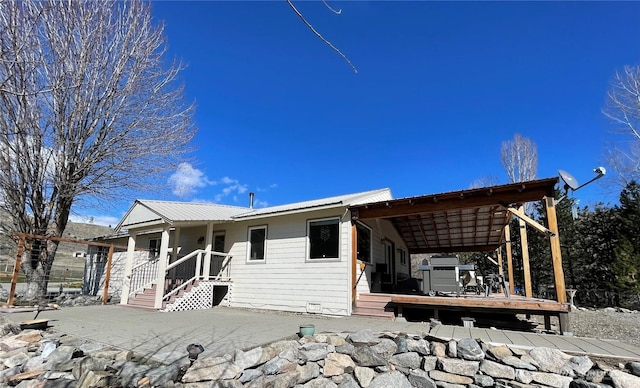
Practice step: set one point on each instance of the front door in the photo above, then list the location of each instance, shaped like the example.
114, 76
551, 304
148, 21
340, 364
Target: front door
216, 260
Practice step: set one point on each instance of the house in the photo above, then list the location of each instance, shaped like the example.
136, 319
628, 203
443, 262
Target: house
335, 256
295, 257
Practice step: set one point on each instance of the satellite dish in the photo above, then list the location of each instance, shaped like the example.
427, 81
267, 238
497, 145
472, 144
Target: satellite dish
569, 181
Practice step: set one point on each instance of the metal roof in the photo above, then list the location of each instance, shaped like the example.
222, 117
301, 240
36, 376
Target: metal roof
150, 212
341, 200
458, 221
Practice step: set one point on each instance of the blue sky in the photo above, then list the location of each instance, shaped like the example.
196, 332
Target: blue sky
440, 85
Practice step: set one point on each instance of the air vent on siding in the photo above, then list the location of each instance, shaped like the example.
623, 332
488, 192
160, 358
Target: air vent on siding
314, 308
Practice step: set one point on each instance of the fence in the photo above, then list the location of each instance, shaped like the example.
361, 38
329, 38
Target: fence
85, 266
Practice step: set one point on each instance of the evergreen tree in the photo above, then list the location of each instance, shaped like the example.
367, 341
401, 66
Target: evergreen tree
627, 262
597, 235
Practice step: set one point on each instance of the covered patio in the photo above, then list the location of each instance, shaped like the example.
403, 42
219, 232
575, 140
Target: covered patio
475, 220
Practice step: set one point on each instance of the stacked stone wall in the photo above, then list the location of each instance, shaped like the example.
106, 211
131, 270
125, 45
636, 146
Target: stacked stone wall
44, 358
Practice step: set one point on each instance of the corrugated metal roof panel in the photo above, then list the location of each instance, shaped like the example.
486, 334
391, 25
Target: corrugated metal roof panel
193, 211
341, 200
158, 212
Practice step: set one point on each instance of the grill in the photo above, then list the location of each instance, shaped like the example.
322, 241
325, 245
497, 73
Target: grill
442, 274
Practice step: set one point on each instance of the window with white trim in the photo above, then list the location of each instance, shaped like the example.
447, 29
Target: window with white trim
256, 248
324, 239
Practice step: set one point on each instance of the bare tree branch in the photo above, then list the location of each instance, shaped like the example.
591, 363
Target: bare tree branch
623, 109
520, 159
88, 109
316, 33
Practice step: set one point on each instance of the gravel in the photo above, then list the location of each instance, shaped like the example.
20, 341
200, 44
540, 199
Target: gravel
621, 326
602, 324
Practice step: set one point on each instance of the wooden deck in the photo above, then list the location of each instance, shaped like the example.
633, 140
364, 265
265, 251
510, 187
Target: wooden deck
567, 344
494, 303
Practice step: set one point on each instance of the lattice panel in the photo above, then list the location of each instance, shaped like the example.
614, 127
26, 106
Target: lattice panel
200, 297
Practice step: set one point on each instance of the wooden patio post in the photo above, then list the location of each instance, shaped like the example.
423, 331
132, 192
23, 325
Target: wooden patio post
128, 268
507, 237
500, 269
16, 270
528, 292
107, 276
556, 255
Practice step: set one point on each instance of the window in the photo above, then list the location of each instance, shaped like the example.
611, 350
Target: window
324, 239
257, 240
154, 247
403, 256
364, 243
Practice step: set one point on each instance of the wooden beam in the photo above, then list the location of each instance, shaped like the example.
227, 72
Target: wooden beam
457, 248
513, 303
556, 255
507, 237
69, 240
107, 276
523, 217
16, 270
466, 199
524, 243
500, 266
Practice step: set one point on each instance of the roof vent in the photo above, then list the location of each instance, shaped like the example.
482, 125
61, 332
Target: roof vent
251, 195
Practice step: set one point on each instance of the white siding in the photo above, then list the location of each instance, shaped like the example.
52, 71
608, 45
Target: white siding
95, 272
381, 229
287, 280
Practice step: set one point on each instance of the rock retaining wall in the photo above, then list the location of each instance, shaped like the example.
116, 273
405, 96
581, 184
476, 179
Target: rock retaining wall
33, 358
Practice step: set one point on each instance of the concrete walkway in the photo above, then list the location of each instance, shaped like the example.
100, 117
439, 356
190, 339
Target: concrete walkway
165, 335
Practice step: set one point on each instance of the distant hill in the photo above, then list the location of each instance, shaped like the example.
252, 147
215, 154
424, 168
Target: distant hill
81, 231
68, 254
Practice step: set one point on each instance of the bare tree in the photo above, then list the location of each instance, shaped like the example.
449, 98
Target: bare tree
623, 108
519, 158
485, 181
520, 161
88, 109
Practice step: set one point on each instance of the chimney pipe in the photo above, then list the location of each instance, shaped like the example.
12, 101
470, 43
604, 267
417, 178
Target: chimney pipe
251, 195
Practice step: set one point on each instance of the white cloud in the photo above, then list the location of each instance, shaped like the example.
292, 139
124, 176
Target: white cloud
258, 203
271, 186
232, 190
186, 180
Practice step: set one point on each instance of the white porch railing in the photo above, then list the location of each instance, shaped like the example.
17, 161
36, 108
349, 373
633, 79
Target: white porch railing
143, 276
190, 268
